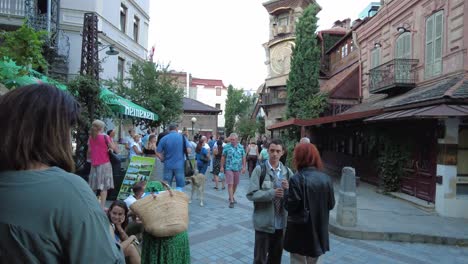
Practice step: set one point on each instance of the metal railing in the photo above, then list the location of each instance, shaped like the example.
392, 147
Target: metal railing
12, 7
395, 73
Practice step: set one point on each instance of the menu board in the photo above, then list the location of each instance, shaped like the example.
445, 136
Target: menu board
139, 169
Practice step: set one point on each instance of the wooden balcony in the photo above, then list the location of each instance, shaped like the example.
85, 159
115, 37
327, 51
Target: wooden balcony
393, 76
273, 99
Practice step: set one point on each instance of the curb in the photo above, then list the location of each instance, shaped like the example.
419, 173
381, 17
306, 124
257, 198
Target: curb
394, 236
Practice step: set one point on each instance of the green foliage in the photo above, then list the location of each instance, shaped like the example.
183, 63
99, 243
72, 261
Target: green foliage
237, 105
246, 127
153, 88
330, 40
290, 137
303, 86
24, 46
86, 91
391, 161
261, 125
392, 151
313, 106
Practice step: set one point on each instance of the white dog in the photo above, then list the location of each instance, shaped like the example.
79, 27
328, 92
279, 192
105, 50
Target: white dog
198, 184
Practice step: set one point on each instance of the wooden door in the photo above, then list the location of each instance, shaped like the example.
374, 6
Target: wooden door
418, 178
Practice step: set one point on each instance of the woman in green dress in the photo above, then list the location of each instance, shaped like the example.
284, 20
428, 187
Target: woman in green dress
164, 250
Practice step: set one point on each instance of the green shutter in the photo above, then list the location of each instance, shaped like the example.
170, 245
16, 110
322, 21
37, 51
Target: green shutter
403, 46
407, 46
375, 58
434, 44
439, 28
429, 46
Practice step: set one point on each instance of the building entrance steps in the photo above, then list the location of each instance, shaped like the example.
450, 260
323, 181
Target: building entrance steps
383, 217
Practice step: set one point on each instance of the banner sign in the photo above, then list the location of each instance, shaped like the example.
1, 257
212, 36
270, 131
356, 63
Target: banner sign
139, 169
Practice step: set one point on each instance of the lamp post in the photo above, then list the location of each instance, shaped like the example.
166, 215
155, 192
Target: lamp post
194, 120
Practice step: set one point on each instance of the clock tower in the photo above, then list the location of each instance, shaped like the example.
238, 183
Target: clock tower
283, 17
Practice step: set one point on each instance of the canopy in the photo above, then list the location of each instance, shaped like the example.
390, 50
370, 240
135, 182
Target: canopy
15, 78
124, 106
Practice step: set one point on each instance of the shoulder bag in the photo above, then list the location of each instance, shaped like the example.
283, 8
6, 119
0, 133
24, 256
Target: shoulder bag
114, 159
188, 168
301, 217
164, 214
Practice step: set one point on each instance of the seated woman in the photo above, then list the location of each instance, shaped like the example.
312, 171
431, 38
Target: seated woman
164, 250
118, 217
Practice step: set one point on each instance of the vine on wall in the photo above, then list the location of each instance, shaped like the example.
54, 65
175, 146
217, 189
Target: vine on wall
391, 152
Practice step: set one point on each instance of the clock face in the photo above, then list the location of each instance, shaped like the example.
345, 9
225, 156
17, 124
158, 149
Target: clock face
281, 57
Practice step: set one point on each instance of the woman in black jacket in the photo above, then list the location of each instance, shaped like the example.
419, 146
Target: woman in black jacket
309, 202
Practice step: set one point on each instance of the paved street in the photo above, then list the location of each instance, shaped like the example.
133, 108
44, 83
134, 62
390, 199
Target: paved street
219, 234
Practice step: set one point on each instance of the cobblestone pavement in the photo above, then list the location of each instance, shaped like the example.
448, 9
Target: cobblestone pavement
219, 234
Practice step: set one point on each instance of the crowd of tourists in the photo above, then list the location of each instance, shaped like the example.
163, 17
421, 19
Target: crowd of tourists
56, 218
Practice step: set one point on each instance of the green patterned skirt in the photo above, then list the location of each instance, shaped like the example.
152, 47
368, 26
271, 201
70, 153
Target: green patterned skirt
165, 250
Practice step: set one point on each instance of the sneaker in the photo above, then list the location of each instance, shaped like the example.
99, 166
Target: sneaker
231, 205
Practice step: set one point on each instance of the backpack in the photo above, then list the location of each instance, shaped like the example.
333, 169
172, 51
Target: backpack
263, 174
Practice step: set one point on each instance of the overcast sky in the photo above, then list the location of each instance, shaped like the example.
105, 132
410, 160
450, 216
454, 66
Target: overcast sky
222, 39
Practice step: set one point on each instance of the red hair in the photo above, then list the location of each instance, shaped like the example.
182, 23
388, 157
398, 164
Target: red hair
307, 155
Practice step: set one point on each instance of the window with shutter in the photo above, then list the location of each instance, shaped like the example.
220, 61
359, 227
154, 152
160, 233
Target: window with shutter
403, 46
434, 33
375, 57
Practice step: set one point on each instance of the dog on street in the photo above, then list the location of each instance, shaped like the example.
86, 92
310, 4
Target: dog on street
198, 185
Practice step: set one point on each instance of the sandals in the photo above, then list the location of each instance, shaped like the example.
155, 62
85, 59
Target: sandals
216, 188
224, 188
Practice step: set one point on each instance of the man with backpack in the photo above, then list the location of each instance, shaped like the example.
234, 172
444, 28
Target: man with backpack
269, 190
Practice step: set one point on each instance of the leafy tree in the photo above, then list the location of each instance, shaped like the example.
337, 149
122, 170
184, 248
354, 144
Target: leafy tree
233, 97
237, 105
87, 92
153, 88
24, 46
261, 125
246, 127
303, 89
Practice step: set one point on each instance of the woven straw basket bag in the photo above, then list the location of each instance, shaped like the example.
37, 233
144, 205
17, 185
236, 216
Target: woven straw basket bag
165, 214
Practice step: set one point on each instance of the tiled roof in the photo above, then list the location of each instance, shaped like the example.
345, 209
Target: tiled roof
462, 91
450, 88
207, 82
194, 106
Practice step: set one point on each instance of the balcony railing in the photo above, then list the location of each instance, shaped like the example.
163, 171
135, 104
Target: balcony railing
392, 76
272, 99
13, 7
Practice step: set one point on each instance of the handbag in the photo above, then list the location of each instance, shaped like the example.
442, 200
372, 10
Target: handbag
114, 159
165, 214
205, 158
304, 215
188, 168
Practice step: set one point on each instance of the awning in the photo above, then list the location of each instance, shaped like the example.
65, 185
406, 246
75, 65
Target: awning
116, 102
434, 111
124, 106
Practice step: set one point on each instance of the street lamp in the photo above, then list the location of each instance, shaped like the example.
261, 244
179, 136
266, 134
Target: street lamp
194, 120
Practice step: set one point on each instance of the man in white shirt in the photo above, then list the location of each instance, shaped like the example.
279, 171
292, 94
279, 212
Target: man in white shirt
138, 192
